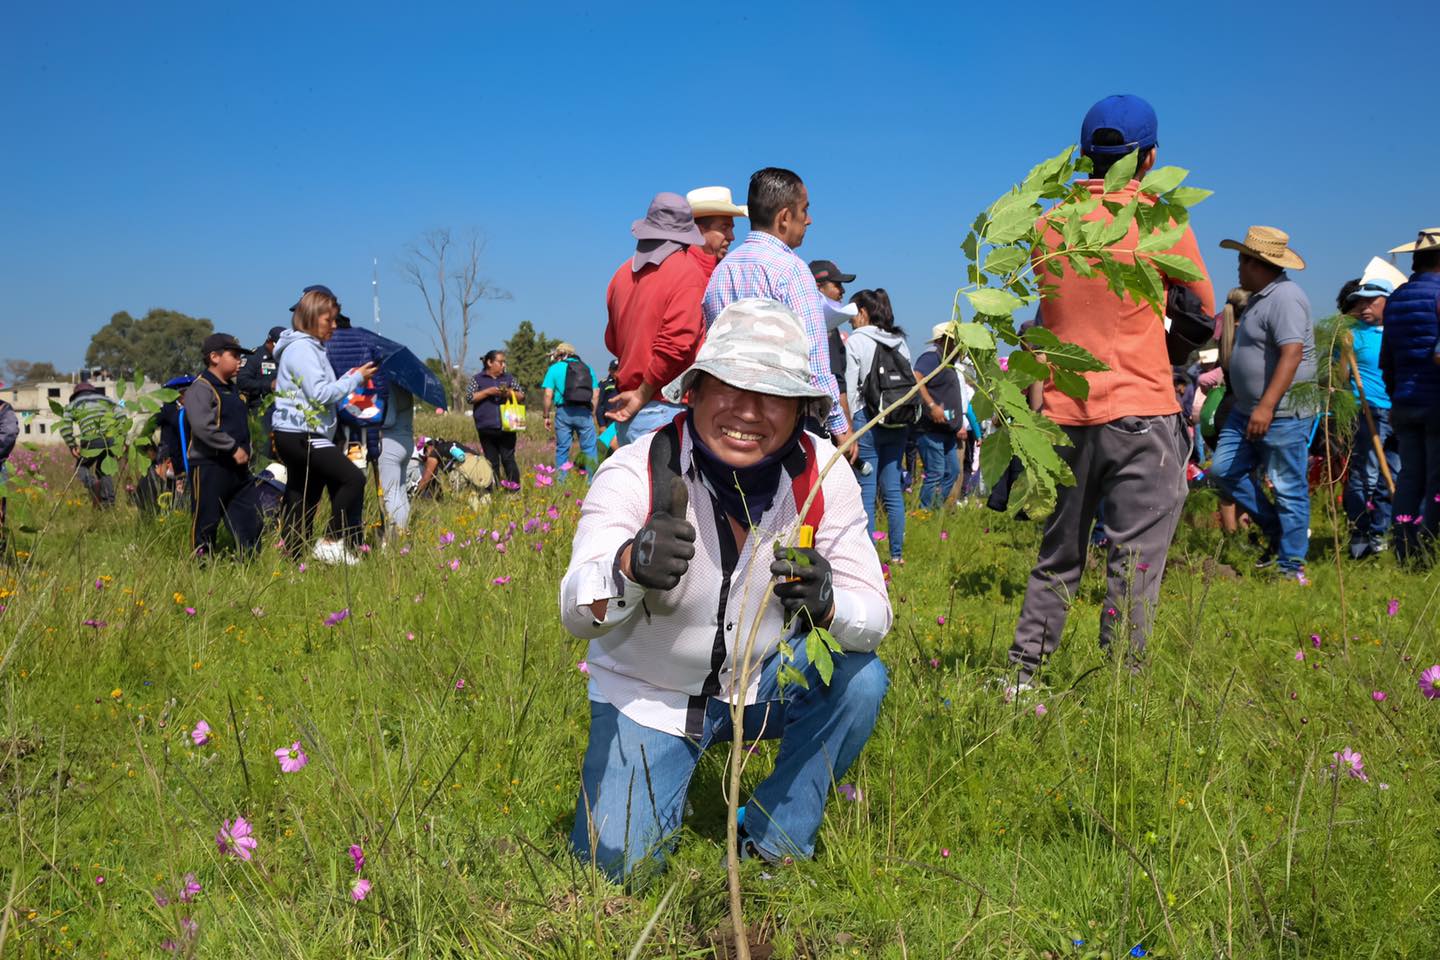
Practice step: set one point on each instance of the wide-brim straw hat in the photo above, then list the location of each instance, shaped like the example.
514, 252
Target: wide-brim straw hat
715, 202
1268, 244
1429, 239
760, 345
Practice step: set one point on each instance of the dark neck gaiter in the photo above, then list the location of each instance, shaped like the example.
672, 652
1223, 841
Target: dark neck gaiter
744, 493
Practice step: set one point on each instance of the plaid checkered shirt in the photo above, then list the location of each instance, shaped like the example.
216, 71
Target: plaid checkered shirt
764, 266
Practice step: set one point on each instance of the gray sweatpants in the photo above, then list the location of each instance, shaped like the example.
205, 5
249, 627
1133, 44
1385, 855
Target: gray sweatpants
394, 458
1134, 468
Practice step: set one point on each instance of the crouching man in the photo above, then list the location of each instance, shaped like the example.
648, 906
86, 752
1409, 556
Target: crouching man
678, 540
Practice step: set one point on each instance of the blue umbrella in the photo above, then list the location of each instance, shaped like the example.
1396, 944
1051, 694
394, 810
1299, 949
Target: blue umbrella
407, 371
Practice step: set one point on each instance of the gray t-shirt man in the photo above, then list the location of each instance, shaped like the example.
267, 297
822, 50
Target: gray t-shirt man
1275, 316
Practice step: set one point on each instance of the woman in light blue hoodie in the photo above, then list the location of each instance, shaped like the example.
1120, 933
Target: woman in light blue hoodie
306, 394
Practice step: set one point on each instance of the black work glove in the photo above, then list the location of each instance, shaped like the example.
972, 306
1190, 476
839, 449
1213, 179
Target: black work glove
660, 553
805, 583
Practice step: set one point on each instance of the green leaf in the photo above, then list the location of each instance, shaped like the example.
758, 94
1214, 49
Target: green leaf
1003, 261
1069, 383
1187, 196
819, 656
1028, 365
829, 640
1149, 283
1122, 172
1010, 399
1177, 267
975, 336
984, 409
995, 456
1059, 353
1163, 180
56, 408
1079, 263
994, 303
971, 246
790, 677
1012, 224
1120, 226
1162, 240
1047, 171
110, 466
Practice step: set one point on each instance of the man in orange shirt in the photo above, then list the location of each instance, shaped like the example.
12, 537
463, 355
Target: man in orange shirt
1129, 442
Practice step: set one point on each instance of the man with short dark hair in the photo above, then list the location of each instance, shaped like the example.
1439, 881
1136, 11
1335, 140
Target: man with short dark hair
218, 451
765, 265
1128, 445
1270, 423
572, 392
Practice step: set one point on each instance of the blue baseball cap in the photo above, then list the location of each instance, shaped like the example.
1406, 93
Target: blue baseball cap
1370, 289
1131, 116
313, 288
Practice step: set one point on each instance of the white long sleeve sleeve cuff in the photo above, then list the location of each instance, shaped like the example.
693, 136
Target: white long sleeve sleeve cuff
861, 620
593, 581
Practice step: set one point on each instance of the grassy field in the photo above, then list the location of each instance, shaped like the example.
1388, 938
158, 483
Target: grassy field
1192, 810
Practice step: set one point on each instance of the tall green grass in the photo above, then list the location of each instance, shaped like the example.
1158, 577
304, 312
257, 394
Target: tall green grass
1190, 809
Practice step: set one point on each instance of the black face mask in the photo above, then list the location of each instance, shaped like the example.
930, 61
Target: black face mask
742, 493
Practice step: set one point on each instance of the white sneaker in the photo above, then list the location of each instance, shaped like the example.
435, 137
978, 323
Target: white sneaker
1017, 691
333, 552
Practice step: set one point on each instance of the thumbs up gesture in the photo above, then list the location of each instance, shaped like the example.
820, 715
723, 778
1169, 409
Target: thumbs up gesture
660, 553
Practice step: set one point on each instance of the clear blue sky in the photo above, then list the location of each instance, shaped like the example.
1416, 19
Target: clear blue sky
215, 158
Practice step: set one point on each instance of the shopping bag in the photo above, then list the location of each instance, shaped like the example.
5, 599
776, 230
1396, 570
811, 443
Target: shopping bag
512, 415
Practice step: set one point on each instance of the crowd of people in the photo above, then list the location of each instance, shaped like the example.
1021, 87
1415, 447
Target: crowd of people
735, 380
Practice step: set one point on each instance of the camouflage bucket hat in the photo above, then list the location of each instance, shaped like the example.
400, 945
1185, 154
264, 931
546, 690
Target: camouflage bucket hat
758, 344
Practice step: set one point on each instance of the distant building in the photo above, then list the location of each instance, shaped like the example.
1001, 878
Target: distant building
32, 401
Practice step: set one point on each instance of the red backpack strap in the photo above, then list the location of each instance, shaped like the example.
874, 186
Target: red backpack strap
804, 475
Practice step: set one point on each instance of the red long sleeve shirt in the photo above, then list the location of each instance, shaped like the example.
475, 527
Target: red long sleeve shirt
655, 327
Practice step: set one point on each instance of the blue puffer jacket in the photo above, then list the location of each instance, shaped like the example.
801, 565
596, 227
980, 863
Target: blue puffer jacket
306, 388
351, 347
1408, 344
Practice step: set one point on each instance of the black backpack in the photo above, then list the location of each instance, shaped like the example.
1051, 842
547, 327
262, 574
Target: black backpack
579, 384
889, 379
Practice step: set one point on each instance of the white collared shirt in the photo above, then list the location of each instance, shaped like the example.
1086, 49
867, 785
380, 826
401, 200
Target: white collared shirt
656, 653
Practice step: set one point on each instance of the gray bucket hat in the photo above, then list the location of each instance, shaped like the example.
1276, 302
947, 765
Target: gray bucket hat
759, 344
669, 218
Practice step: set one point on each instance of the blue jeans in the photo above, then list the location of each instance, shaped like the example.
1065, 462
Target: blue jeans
572, 420
647, 419
884, 448
1367, 497
942, 466
1284, 453
634, 779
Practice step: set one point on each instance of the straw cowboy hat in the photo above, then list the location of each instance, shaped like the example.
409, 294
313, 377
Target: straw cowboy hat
715, 202
1429, 239
1268, 244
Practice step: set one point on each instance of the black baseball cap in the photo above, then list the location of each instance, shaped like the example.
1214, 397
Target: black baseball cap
219, 343
274, 333
825, 271
315, 288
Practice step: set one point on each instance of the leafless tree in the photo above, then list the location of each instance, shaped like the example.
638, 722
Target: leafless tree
446, 271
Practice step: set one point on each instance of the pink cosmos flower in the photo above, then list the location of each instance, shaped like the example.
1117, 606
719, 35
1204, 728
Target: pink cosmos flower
455, 564
935, 663
201, 734
850, 792
357, 855
940, 620
410, 635
364, 548
553, 512
99, 584
190, 611
100, 880
404, 551
544, 480
360, 889
1352, 764
1040, 710
447, 538
583, 667
945, 852
944, 535
235, 839
337, 618
500, 581
302, 566
96, 624
1430, 682
1315, 640
1299, 654
1393, 607
1379, 696
878, 536
292, 758
499, 548
460, 684
1403, 518
191, 889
